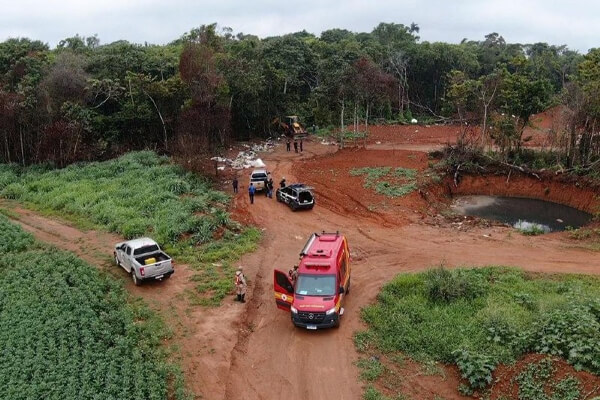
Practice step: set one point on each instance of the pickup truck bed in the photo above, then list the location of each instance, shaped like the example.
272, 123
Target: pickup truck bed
159, 256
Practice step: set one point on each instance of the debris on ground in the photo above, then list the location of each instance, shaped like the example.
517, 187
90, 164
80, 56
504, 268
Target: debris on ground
247, 158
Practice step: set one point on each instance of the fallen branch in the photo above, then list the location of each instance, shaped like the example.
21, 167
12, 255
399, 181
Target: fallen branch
517, 167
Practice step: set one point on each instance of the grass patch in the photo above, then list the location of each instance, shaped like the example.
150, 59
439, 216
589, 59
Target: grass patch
141, 194
133, 195
73, 332
213, 261
478, 318
398, 182
371, 368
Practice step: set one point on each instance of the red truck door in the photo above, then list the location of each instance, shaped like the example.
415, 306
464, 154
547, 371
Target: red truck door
283, 290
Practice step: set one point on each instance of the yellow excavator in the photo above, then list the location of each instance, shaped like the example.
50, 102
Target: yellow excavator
290, 127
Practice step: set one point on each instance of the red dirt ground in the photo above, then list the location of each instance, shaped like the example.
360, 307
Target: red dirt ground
252, 351
426, 137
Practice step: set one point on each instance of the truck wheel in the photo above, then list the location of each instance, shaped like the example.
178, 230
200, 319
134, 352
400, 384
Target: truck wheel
293, 206
117, 261
134, 278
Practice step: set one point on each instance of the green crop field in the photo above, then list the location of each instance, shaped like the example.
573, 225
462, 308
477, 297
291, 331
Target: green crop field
141, 194
67, 332
478, 318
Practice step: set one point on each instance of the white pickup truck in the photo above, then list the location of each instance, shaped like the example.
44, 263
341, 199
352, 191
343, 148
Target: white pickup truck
144, 260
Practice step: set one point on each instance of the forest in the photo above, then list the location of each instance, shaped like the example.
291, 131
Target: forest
84, 100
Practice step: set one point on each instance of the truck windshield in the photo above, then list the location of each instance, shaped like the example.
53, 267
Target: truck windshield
145, 249
316, 285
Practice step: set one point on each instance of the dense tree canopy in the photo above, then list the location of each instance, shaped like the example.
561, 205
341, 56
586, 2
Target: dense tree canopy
87, 100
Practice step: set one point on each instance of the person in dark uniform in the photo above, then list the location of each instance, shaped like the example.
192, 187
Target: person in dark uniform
270, 186
282, 183
300, 145
287, 144
296, 146
235, 185
266, 187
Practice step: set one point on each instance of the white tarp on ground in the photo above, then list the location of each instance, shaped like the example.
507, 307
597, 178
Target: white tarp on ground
248, 158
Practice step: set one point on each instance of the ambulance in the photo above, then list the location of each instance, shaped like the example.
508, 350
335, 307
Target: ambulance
314, 299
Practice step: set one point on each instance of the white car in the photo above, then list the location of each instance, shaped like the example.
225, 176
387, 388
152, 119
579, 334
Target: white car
257, 178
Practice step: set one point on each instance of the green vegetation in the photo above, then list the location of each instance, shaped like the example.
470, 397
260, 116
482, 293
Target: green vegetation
478, 318
132, 195
590, 237
142, 194
399, 181
537, 382
74, 333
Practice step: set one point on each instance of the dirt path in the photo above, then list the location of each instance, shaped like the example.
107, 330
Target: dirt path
252, 351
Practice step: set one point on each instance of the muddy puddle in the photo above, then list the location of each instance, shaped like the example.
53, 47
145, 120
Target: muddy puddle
522, 213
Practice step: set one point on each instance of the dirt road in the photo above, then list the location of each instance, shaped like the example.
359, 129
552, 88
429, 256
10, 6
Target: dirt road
252, 351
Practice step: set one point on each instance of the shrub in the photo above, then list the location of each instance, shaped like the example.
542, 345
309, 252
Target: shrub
446, 286
475, 368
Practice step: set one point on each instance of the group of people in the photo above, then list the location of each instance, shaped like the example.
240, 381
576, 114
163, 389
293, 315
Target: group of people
288, 143
268, 187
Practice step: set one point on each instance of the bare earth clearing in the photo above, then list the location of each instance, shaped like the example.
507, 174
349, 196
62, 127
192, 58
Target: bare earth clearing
252, 351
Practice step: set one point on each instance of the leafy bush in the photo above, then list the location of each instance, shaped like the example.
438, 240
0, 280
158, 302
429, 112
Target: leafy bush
475, 368
74, 334
446, 286
478, 318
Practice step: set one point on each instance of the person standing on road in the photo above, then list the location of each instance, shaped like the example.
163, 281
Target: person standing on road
235, 185
251, 191
240, 285
282, 183
266, 186
287, 144
294, 275
300, 145
270, 186
296, 146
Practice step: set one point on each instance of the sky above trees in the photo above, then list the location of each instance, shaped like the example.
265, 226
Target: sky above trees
575, 23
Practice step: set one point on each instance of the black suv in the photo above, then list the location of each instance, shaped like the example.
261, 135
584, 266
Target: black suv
296, 196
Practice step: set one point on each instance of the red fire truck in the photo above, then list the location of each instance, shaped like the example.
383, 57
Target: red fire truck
315, 297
